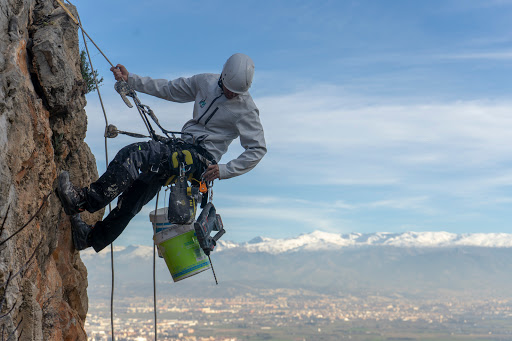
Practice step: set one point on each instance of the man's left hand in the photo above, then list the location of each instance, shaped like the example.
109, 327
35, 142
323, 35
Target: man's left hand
212, 173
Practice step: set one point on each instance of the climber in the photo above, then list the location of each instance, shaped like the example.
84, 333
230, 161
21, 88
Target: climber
223, 110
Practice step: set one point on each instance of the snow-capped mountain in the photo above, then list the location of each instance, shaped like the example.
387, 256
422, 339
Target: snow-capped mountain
318, 241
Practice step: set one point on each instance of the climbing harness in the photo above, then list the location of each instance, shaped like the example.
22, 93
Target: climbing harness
185, 159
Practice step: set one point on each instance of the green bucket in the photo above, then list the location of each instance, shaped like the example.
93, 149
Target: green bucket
181, 251
160, 222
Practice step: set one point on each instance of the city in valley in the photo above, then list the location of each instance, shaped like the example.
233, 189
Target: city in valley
286, 314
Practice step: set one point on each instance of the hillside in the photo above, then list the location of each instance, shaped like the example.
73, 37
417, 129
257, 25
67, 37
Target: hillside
428, 265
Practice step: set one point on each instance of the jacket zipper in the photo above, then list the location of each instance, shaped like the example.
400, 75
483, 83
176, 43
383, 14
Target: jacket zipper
209, 107
210, 117
199, 119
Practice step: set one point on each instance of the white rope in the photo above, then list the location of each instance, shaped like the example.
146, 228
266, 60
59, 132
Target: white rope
84, 33
106, 162
154, 267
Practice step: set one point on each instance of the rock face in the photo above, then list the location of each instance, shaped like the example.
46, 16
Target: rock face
43, 282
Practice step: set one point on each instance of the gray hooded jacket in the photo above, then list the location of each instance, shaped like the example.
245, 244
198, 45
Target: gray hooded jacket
214, 115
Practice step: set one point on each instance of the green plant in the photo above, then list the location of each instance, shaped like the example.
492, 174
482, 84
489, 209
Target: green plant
87, 74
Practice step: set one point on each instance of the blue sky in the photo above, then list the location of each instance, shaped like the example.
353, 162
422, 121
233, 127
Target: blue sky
379, 115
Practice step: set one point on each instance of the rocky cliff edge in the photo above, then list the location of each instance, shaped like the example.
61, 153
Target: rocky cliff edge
43, 282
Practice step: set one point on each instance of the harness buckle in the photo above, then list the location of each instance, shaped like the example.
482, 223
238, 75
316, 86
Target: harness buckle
155, 167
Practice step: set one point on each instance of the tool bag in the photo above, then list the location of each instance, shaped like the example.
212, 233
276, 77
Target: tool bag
182, 202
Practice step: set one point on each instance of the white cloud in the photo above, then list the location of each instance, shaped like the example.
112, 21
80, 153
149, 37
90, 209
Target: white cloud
412, 203
311, 219
345, 139
477, 5
503, 200
332, 123
488, 55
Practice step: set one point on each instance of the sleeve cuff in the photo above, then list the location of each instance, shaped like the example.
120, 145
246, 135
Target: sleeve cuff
223, 172
130, 79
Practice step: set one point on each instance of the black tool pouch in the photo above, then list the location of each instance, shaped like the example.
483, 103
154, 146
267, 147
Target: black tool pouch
182, 203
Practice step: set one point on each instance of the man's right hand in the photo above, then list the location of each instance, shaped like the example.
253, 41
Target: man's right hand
120, 72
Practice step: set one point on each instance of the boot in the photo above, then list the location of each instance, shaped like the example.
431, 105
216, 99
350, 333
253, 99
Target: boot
71, 197
80, 232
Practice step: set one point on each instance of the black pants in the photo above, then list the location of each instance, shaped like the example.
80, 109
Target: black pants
138, 171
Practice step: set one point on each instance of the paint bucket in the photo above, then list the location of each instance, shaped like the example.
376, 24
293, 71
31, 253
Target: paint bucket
160, 222
179, 247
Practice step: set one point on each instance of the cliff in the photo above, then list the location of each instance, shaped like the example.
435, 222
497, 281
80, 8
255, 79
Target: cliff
43, 282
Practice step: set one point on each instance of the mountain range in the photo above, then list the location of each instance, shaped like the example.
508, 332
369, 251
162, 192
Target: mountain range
409, 263
318, 241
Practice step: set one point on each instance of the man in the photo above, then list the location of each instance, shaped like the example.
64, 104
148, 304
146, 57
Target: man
223, 111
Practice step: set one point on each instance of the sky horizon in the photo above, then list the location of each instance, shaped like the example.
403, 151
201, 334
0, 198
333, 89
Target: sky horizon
378, 117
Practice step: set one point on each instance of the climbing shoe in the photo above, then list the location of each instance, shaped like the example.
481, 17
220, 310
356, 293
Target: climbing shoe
71, 197
80, 232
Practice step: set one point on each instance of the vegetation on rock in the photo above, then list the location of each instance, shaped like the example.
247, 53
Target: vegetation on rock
87, 73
